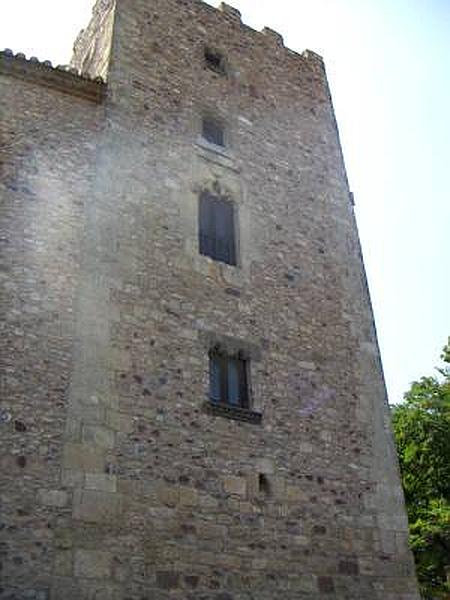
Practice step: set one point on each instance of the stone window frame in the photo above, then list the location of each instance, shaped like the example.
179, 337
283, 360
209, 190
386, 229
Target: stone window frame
212, 121
213, 175
206, 113
214, 188
214, 60
246, 351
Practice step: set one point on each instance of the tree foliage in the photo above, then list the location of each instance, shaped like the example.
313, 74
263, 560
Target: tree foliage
422, 435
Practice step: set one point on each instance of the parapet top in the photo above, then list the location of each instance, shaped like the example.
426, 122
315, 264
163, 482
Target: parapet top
233, 14
230, 11
63, 77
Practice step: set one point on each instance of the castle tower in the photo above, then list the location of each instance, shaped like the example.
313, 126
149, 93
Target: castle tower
193, 404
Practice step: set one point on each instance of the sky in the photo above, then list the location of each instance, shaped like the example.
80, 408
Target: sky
388, 64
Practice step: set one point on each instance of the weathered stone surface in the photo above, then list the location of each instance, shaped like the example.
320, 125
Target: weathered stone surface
92, 564
167, 580
101, 482
96, 506
326, 585
98, 436
57, 498
83, 458
235, 485
117, 482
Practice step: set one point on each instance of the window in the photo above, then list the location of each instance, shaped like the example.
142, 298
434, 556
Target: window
214, 60
213, 132
216, 228
228, 380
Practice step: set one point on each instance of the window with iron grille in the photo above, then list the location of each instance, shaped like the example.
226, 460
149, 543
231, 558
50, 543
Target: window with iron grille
228, 380
216, 228
213, 131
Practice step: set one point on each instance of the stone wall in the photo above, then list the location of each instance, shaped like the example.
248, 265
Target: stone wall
162, 497
48, 130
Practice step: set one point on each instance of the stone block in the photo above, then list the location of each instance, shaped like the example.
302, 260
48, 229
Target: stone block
326, 585
70, 478
208, 502
302, 540
119, 421
99, 590
235, 486
92, 564
63, 539
64, 563
56, 498
265, 465
348, 567
295, 494
307, 366
66, 588
96, 507
168, 495
278, 487
98, 436
305, 447
87, 413
208, 529
307, 584
167, 580
188, 496
101, 482
79, 457
259, 564
228, 561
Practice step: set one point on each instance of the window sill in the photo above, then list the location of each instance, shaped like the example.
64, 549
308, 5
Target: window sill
216, 154
233, 412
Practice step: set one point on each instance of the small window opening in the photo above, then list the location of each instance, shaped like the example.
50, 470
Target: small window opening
216, 228
264, 485
215, 61
228, 380
213, 132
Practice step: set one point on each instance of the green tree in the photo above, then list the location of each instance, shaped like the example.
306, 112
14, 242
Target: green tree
422, 435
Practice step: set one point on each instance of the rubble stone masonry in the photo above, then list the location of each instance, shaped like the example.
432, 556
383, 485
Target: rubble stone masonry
120, 479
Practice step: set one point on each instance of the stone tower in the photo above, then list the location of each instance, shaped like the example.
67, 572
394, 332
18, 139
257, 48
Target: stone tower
193, 405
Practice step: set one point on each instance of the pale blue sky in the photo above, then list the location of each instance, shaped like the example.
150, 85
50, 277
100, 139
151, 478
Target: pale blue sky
388, 63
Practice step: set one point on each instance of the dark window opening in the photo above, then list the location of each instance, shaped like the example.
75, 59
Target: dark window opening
216, 229
264, 485
215, 61
213, 132
228, 380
